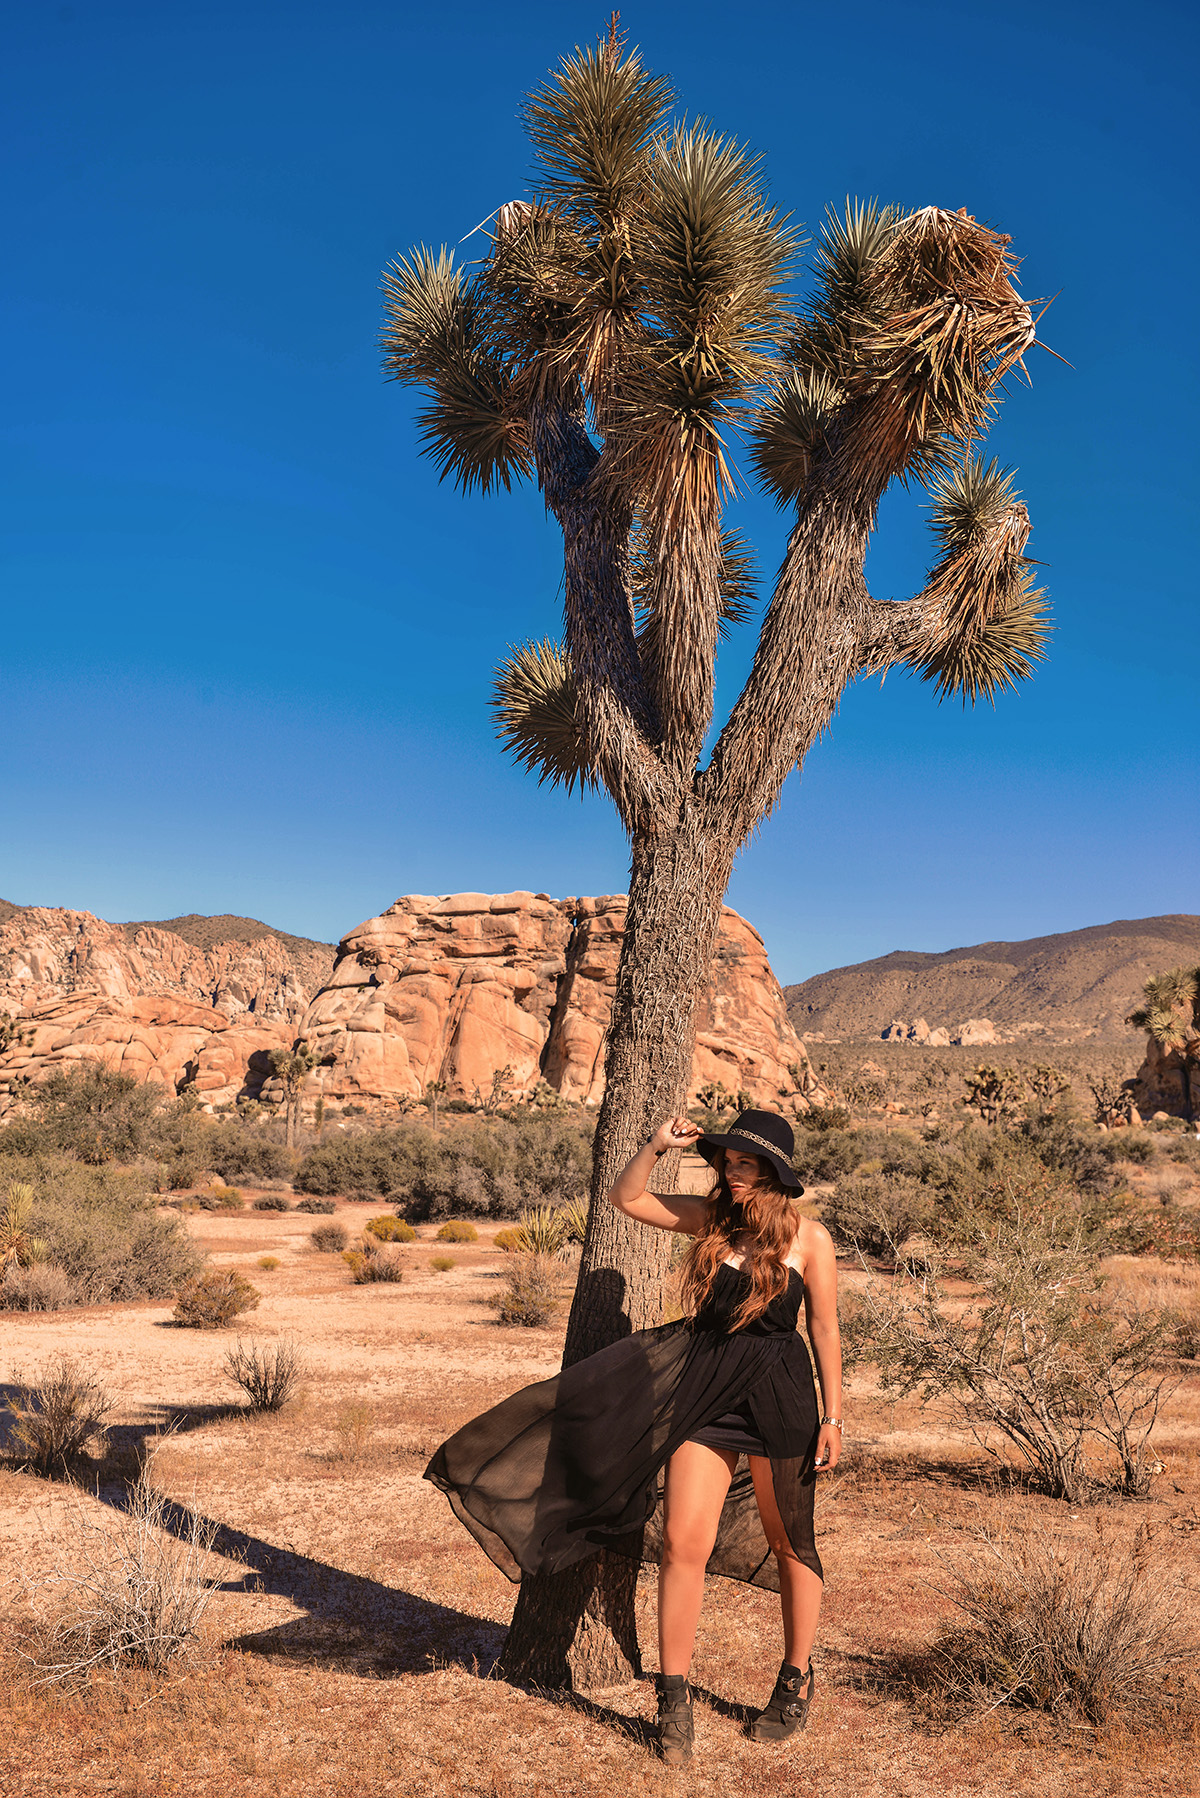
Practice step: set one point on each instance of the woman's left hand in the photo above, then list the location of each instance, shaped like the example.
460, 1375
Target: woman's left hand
829, 1448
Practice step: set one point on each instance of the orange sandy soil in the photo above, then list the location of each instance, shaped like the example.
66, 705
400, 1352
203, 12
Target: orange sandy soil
350, 1647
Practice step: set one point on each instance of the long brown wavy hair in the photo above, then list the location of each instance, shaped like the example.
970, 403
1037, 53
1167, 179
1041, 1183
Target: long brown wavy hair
770, 1218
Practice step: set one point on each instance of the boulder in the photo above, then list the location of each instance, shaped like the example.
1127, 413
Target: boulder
1158, 1084
455, 990
976, 1033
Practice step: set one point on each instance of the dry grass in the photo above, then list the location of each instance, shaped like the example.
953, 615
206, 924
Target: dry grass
55, 1415
269, 1373
1080, 1630
132, 1595
355, 1624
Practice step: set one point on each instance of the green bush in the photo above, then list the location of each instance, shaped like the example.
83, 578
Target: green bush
239, 1150
456, 1231
101, 1227
273, 1201
493, 1168
826, 1117
827, 1154
508, 1240
317, 1207
391, 1229
86, 1111
214, 1299
879, 1213
442, 1264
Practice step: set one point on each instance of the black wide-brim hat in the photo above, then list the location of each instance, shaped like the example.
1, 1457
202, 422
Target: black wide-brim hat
762, 1133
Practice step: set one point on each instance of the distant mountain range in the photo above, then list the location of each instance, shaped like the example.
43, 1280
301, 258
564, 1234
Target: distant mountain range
1077, 985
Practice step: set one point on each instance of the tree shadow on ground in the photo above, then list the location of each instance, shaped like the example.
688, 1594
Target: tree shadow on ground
351, 1622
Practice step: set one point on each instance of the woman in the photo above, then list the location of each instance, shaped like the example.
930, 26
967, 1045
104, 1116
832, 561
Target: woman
574, 1463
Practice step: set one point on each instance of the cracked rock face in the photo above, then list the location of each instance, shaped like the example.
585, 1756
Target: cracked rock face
453, 990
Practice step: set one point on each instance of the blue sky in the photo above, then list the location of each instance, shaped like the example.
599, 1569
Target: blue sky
248, 638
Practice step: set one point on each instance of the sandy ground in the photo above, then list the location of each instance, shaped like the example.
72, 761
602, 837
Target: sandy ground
351, 1643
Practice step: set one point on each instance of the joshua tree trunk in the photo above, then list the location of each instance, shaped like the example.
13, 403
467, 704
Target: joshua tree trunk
578, 1628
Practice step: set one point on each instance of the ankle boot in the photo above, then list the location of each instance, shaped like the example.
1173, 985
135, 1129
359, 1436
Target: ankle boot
786, 1710
676, 1731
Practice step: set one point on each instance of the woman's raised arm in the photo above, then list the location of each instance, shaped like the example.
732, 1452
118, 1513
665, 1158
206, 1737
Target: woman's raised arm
663, 1211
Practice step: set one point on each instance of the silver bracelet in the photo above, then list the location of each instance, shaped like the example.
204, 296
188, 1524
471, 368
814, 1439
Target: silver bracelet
833, 1423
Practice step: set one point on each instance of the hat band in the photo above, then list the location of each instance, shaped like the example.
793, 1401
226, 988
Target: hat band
770, 1147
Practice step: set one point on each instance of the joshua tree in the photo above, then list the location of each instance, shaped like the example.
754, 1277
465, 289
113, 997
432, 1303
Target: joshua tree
293, 1067
628, 322
1171, 1018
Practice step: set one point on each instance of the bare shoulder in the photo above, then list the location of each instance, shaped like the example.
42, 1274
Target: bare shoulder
812, 1244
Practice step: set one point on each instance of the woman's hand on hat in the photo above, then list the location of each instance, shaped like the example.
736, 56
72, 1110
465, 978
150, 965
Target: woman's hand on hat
676, 1133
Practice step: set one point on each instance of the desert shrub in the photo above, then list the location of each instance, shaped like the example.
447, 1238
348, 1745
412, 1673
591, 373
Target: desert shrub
42, 1287
268, 1263
354, 1426
1084, 1157
369, 1265
133, 1595
267, 1372
489, 1169
101, 1226
273, 1201
238, 1150
508, 1240
1134, 1146
330, 1239
53, 1416
826, 1117
214, 1299
392, 1229
827, 1154
442, 1264
216, 1199
529, 1300
1036, 1360
878, 1213
87, 1111
457, 1231
1080, 1630
1171, 1234
317, 1207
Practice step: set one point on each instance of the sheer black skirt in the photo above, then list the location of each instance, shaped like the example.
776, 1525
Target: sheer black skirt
574, 1463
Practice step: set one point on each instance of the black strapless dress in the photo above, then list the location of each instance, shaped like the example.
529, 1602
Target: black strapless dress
573, 1464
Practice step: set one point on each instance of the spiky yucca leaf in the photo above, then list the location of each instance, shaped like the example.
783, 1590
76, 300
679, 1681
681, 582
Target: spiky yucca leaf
435, 334
847, 253
536, 714
942, 326
591, 125
991, 620
983, 659
790, 431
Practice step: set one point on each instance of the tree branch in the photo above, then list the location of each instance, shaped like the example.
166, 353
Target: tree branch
617, 716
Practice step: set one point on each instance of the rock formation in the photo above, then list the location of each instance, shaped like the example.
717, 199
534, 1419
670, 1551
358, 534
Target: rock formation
455, 990
147, 1002
458, 990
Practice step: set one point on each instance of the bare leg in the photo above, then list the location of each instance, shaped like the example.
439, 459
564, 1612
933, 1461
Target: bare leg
799, 1588
696, 1483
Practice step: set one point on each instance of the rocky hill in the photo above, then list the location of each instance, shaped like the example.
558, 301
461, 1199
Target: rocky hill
1076, 986
450, 990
